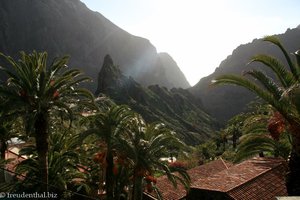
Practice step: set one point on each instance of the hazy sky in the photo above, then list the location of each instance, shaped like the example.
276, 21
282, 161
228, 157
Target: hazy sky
199, 34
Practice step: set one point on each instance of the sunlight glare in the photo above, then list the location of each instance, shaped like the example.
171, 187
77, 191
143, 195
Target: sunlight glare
200, 34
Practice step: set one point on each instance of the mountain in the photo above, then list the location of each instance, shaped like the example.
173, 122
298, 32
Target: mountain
223, 102
68, 27
173, 73
177, 108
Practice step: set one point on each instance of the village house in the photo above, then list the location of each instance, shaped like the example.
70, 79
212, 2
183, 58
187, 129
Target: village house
256, 178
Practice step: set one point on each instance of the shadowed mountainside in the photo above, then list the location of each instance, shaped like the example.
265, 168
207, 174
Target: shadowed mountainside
68, 27
223, 102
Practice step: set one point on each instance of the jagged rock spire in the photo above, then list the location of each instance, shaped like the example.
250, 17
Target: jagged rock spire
108, 76
108, 61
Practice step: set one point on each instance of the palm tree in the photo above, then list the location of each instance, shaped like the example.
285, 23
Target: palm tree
34, 90
64, 173
282, 95
233, 128
257, 139
207, 150
148, 144
109, 125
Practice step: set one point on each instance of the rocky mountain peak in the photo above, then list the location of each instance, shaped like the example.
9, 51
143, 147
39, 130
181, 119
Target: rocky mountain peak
109, 76
108, 61
63, 27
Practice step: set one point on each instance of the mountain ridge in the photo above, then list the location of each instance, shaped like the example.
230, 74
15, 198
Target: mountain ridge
69, 27
223, 102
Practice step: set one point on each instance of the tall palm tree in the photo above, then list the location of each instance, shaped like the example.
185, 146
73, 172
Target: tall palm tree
150, 143
33, 90
282, 94
109, 125
233, 128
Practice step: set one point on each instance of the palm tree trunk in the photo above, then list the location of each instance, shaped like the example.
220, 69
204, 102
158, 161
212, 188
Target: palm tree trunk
224, 145
109, 179
42, 147
234, 139
138, 183
293, 176
137, 188
3, 148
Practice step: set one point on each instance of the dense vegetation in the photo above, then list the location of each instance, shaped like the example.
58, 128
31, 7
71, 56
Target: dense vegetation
82, 147
77, 146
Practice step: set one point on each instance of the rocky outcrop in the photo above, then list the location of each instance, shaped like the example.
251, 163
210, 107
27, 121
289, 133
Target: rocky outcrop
68, 27
108, 77
177, 108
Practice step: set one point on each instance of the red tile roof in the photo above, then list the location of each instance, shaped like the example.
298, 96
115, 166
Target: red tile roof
170, 193
16, 159
208, 169
266, 186
257, 178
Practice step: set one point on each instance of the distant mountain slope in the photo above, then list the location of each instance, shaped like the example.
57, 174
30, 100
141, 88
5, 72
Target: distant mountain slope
172, 72
225, 101
68, 27
177, 108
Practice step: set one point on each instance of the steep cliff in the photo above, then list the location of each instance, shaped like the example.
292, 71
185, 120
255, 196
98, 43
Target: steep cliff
68, 27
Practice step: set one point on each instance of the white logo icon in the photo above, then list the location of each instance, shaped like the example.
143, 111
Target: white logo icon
2, 194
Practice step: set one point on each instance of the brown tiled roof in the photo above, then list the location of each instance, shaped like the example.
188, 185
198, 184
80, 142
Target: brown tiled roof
264, 187
208, 169
257, 178
170, 193
15, 160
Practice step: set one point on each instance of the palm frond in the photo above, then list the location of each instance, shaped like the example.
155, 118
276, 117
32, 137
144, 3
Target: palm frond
253, 145
297, 54
57, 65
82, 92
274, 40
284, 76
240, 81
267, 82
